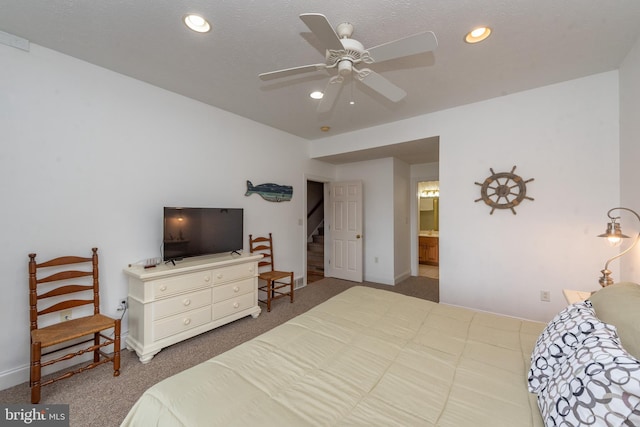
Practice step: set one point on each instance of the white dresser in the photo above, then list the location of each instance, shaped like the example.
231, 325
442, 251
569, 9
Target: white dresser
168, 304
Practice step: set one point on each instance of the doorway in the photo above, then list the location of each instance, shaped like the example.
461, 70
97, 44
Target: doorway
315, 231
336, 249
429, 229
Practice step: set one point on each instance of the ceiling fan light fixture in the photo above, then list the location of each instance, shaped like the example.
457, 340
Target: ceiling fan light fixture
197, 23
325, 128
477, 35
344, 67
316, 94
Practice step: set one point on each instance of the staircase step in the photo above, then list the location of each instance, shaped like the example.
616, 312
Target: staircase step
315, 270
315, 247
315, 257
315, 261
314, 276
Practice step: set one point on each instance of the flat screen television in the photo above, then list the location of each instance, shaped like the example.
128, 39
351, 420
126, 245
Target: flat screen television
190, 232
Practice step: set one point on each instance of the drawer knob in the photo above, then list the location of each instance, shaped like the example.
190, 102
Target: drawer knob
207, 278
236, 305
187, 321
187, 301
163, 288
219, 275
236, 289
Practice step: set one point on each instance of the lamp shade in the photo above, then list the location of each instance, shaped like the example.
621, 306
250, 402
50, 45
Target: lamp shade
614, 236
614, 233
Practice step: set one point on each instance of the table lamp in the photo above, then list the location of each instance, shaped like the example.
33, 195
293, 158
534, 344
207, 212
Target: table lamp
614, 237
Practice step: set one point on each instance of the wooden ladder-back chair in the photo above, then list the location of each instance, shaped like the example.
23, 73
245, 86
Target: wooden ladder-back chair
272, 282
60, 291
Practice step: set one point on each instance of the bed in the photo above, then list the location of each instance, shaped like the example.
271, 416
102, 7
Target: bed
370, 357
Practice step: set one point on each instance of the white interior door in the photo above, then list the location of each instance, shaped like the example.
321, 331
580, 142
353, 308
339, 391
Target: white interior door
345, 200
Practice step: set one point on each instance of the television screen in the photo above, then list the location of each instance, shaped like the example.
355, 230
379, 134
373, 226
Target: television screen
192, 232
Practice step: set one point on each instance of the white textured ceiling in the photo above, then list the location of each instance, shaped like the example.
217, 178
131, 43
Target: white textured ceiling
535, 43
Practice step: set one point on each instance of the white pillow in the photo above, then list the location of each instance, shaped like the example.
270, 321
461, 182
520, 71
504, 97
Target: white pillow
597, 385
562, 336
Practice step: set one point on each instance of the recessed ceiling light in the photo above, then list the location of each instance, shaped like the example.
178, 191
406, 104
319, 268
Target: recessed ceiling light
477, 35
197, 23
316, 95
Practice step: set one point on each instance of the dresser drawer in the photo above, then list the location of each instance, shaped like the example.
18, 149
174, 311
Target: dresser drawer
233, 305
235, 289
180, 323
183, 283
234, 272
181, 303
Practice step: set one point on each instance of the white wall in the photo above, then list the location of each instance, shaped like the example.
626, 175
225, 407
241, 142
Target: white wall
401, 221
630, 157
89, 158
565, 136
377, 187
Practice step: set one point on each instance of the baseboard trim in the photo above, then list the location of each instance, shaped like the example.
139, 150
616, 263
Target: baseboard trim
14, 377
378, 280
401, 277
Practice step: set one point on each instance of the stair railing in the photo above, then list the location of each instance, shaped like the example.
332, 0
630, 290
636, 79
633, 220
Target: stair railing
314, 218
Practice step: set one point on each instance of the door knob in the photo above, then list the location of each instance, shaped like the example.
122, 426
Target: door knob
357, 236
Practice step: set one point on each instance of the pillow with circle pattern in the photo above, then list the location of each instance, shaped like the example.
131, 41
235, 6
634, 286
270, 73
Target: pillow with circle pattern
597, 385
559, 340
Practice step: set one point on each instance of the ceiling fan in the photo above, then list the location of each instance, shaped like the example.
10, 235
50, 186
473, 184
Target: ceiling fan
344, 53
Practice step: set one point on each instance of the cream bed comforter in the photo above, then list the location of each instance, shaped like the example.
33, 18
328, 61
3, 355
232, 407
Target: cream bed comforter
366, 357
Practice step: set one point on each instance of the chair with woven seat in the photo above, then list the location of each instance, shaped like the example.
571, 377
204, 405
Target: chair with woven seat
275, 284
64, 287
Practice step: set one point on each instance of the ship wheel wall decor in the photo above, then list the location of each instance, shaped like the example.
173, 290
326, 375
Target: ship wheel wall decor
503, 190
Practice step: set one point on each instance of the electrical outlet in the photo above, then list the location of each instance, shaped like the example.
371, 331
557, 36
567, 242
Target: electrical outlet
123, 305
65, 315
545, 296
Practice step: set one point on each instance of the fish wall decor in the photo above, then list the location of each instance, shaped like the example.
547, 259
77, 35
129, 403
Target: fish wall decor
270, 192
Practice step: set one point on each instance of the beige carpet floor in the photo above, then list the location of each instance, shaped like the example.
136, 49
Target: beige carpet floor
96, 398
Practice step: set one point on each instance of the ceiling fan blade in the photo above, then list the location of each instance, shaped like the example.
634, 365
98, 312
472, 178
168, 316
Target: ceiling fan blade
292, 71
380, 84
320, 26
417, 43
331, 93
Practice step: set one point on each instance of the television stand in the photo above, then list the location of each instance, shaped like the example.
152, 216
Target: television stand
171, 303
